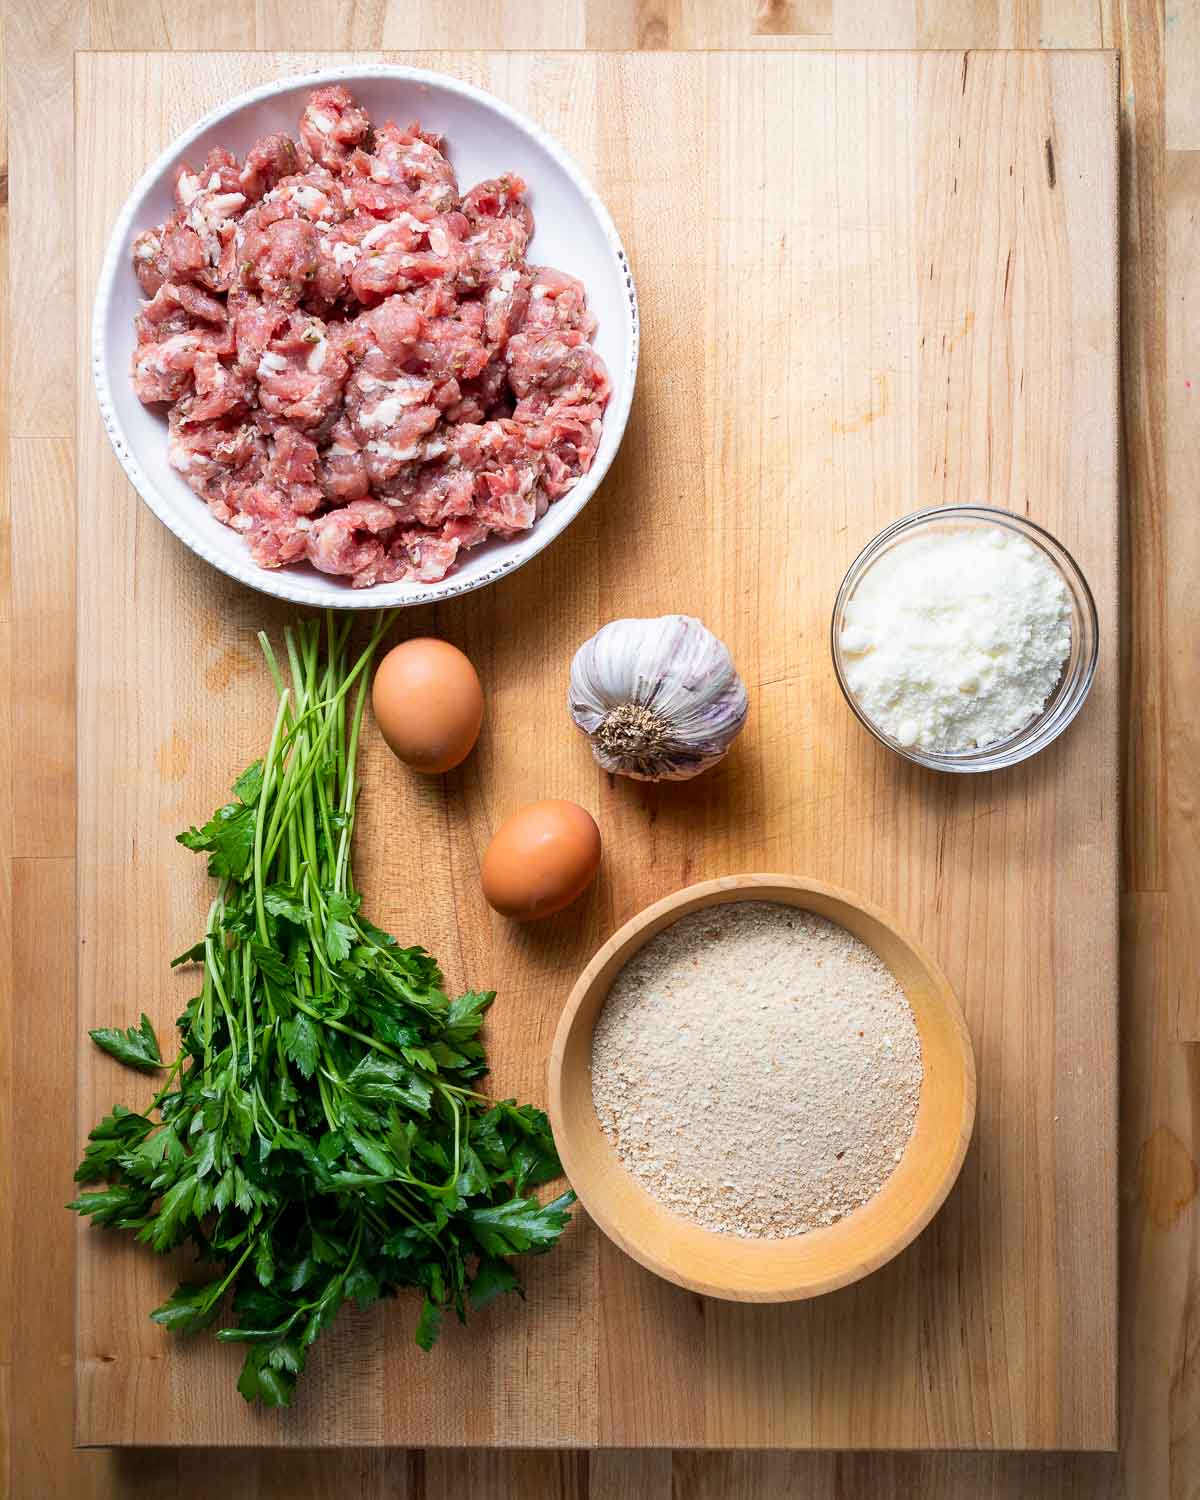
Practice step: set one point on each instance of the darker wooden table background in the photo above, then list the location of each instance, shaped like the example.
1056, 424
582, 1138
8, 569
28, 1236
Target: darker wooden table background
1160, 1312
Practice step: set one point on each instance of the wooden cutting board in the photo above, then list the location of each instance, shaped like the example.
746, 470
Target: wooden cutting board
869, 282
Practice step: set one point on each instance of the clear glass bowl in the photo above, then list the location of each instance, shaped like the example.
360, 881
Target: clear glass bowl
1078, 671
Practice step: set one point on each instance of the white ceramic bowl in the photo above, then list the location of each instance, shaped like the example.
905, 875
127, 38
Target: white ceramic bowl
485, 137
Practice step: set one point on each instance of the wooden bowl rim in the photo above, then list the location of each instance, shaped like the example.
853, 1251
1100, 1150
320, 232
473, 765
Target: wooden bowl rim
698, 895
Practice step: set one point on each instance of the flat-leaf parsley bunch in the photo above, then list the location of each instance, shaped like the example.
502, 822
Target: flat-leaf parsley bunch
318, 1136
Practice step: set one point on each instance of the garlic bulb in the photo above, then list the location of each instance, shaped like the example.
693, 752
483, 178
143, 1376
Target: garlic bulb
660, 699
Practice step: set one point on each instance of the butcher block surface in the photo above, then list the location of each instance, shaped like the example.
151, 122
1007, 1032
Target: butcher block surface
868, 282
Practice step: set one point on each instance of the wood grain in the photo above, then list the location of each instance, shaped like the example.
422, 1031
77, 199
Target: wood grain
1049, 24
42, 555
865, 23
1182, 486
656, 25
188, 23
1143, 432
1159, 1249
43, 1344
792, 17
8, 1242
40, 185
1181, 77
788, 481
1155, 1461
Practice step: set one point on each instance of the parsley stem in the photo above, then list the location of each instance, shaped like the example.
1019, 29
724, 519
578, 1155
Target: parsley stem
330, 1119
211, 928
166, 1088
373, 1042
264, 641
264, 795
262, 1099
248, 998
284, 807
238, 1264
349, 790
401, 1207
453, 1103
214, 971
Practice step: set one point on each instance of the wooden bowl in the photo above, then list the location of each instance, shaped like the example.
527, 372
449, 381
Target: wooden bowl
761, 1270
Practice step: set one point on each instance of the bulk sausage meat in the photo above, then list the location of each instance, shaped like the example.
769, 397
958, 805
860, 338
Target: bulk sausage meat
359, 366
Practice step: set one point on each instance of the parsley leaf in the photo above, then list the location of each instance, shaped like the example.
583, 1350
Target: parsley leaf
190, 1308
229, 838
339, 931
465, 1016
270, 963
261, 1380
110, 1205
382, 1078
248, 787
428, 1324
116, 1135
281, 902
519, 1224
492, 1278
192, 955
136, 1047
173, 1211
302, 1042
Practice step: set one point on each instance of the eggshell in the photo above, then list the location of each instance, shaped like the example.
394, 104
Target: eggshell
544, 857
428, 704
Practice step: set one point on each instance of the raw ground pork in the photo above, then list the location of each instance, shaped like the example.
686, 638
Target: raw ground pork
360, 367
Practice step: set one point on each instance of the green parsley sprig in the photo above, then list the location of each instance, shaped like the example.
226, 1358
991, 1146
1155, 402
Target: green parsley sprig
318, 1136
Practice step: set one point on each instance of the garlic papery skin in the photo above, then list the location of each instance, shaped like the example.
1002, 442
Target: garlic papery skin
659, 699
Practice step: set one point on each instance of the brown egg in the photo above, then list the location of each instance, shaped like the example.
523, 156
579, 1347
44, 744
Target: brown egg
428, 704
541, 860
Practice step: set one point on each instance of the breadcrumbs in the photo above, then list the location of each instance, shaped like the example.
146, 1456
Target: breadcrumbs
758, 1069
